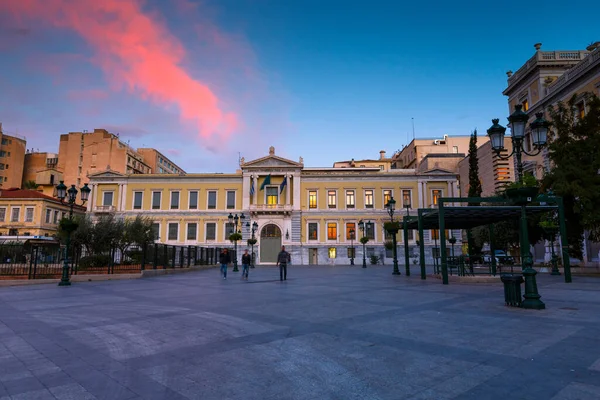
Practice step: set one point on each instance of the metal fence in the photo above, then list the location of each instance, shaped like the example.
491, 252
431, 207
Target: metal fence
31, 260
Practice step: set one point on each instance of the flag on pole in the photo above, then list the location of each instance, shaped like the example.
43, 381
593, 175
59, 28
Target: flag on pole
282, 186
267, 181
251, 187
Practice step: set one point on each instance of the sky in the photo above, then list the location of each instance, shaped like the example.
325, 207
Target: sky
208, 81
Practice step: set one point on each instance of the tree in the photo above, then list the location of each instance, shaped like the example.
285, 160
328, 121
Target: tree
139, 230
574, 152
474, 182
31, 185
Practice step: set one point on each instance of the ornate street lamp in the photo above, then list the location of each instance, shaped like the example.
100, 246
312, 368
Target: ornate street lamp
71, 196
252, 240
393, 230
539, 134
235, 221
407, 205
352, 232
362, 226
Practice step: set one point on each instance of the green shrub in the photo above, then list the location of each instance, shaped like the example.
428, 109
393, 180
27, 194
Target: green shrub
95, 261
374, 259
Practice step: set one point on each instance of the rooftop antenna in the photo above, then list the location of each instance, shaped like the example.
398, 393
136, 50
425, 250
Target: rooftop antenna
239, 159
413, 126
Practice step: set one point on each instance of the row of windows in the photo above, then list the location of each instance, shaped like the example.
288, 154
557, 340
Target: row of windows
175, 203
368, 197
167, 164
192, 231
4, 153
351, 232
15, 214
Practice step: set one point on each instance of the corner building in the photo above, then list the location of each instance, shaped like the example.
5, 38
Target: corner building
309, 210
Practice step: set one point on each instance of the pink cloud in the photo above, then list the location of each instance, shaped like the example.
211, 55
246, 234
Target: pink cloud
137, 52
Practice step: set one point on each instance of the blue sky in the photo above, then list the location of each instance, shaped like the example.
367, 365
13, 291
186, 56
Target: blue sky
325, 80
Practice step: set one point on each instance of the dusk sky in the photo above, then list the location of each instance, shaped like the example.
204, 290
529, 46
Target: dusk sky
325, 80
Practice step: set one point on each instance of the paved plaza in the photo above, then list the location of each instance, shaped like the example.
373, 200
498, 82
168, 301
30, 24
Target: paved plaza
326, 333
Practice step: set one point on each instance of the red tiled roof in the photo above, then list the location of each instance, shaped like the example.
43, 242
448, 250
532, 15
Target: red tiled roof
16, 193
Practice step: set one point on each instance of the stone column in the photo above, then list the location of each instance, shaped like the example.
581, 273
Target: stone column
246, 192
287, 189
421, 201
255, 200
120, 197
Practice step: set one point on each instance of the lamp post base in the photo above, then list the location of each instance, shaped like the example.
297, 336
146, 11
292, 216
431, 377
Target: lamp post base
532, 297
64, 283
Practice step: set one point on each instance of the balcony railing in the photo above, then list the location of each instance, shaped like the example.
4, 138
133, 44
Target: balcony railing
546, 57
271, 207
104, 209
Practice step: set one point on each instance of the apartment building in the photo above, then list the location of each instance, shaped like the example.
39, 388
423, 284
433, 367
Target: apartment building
12, 158
428, 150
383, 163
311, 211
158, 162
41, 168
31, 213
547, 78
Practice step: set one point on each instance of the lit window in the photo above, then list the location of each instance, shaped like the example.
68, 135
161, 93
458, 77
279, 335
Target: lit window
332, 252
272, 196
387, 195
581, 110
331, 231
406, 198
349, 198
313, 231
331, 198
525, 105
368, 199
312, 199
350, 231
435, 196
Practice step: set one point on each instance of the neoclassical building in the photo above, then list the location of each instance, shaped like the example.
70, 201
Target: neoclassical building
312, 211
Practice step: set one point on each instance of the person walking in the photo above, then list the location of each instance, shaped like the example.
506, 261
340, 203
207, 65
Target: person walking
224, 259
245, 264
283, 258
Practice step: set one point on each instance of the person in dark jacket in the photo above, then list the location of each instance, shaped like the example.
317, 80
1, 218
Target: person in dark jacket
245, 264
283, 258
224, 259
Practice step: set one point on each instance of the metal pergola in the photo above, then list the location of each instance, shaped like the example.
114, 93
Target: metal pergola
491, 210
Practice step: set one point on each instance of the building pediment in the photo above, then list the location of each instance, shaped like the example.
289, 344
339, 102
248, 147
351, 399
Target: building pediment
109, 173
272, 161
437, 171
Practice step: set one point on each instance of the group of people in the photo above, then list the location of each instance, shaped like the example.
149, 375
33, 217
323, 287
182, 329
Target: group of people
283, 259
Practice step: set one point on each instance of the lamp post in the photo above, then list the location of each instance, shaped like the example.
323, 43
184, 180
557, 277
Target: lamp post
362, 226
406, 204
391, 206
352, 232
452, 241
539, 132
252, 240
236, 221
71, 196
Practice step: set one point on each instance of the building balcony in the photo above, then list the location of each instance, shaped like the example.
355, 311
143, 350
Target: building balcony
104, 209
271, 208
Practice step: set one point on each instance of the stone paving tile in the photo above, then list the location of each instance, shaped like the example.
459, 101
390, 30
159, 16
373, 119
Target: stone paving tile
578, 391
327, 333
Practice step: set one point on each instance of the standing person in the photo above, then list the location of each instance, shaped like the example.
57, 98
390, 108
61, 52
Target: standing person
283, 258
224, 259
245, 264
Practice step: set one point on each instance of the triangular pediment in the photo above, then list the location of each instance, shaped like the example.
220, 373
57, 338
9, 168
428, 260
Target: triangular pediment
109, 173
271, 161
437, 171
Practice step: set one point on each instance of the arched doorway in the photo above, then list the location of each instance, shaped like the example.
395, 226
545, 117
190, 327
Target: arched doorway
270, 243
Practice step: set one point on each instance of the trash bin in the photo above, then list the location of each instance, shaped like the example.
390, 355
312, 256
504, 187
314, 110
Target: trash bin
512, 289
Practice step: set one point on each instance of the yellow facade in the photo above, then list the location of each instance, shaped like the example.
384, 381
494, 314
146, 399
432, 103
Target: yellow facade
31, 213
283, 197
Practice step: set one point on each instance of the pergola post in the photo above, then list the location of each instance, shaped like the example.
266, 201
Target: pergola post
442, 226
406, 256
421, 245
492, 249
563, 239
470, 248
